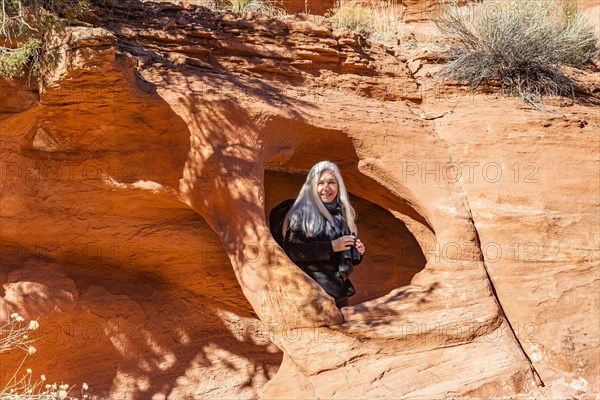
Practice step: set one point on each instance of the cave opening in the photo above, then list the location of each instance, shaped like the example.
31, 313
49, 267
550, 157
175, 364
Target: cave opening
393, 255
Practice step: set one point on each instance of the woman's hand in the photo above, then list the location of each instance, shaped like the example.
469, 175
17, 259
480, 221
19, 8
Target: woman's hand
342, 243
360, 247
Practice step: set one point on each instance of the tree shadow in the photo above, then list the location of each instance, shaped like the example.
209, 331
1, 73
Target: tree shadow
144, 327
176, 330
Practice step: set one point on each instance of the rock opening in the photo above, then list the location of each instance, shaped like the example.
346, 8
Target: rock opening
394, 255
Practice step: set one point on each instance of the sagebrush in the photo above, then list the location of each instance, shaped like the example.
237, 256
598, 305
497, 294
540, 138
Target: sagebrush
522, 45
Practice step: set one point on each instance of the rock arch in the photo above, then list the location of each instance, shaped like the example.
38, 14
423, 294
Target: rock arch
394, 254
239, 117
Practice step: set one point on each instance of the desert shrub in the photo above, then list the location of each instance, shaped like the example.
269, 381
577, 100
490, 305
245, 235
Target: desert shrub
23, 26
269, 7
520, 44
272, 8
378, 20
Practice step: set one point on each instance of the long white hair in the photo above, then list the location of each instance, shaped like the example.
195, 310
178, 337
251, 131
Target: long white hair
308, 212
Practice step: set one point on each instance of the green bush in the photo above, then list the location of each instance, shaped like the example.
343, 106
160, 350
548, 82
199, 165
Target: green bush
26, 22
13, 62
521, 44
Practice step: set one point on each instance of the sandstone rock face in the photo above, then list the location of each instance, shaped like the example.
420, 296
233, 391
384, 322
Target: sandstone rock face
314, 7
135, 193
536, 218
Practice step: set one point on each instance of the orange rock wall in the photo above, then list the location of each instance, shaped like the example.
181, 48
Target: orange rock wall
137, 179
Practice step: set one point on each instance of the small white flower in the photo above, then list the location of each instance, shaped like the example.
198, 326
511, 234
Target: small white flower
33, 325
64, 386
48, 386
19, 319
62, 394
43, 378
14, 315
28, 370
31, 350
84, 386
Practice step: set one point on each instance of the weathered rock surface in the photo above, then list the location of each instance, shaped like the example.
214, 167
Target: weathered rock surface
135, 195
314, 7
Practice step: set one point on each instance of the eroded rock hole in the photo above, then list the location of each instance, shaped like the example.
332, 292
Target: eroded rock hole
393, 255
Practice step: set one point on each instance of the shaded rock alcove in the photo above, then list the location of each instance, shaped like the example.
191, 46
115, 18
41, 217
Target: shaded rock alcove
113, 305
394, 255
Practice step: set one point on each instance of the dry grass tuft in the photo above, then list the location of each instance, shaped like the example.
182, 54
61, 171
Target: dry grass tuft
16, 335
269, 7
377, 19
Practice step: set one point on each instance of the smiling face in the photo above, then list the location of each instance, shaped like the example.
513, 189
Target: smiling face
327, 187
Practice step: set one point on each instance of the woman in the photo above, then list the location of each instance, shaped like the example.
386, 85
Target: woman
316, 231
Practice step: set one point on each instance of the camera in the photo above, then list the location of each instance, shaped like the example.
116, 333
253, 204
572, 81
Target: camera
348, 258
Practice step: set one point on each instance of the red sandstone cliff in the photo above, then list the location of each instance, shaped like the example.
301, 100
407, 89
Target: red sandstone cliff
136, 181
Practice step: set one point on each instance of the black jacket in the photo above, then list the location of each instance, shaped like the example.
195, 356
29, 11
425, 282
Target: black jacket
315, 255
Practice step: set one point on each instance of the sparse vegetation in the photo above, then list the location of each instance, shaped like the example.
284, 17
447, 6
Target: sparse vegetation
378, 20
16, 335
351, 16
23, 26
521, 44
269, 7
387, 19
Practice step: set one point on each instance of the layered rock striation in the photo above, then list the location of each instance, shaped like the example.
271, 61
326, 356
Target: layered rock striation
136, 183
